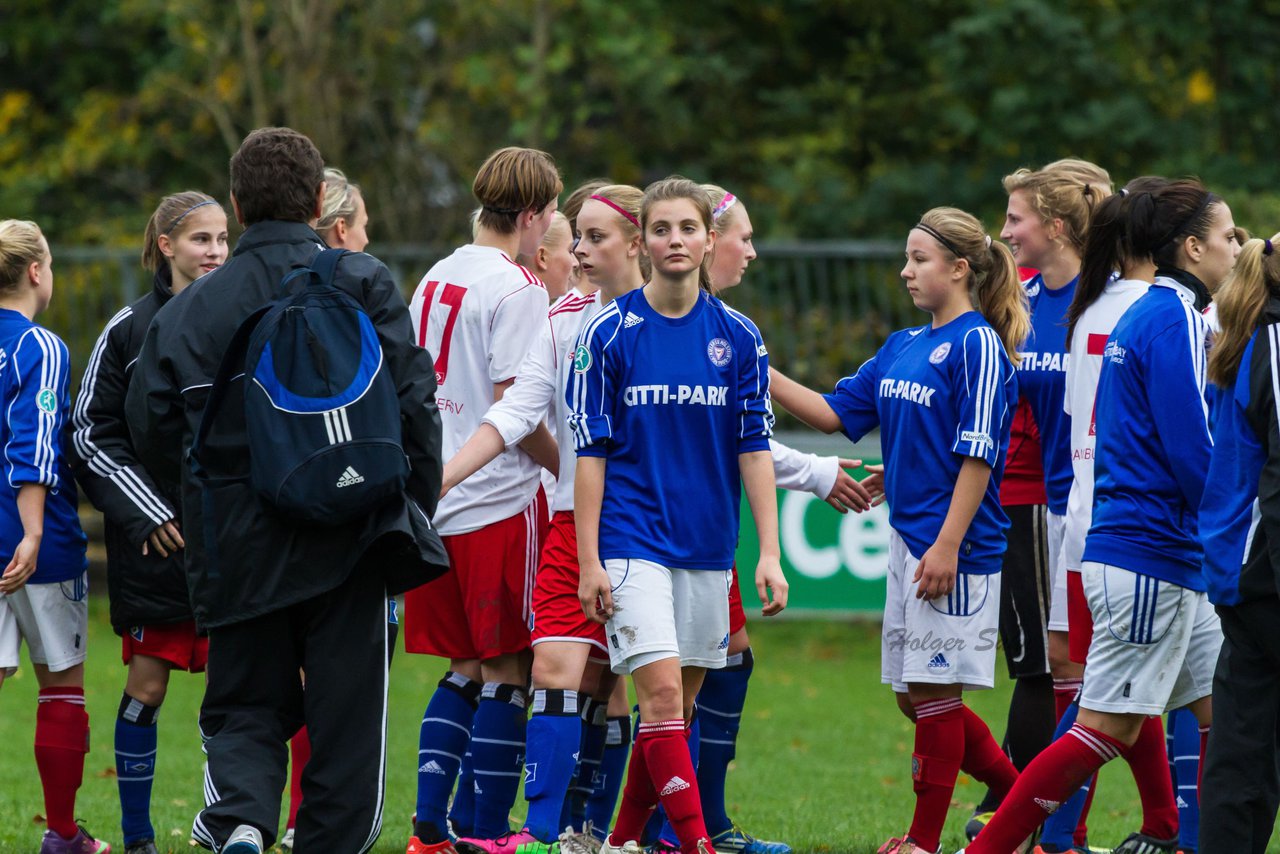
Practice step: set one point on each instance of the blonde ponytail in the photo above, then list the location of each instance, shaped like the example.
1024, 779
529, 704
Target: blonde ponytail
1253, 281
21, 245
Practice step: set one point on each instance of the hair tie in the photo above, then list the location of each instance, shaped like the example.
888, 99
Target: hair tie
503, 211
1123, 192
988, 241
938, 237
183, 215
727, 202
619, 209
1266, 246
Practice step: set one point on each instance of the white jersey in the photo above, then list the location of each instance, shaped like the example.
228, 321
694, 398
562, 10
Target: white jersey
1088, 341
540, 385
476, 312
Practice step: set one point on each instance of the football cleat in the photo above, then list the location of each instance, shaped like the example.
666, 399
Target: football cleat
243, 840
628, 847
976, 822
735, 840
417, 846
1140, 843
81, 843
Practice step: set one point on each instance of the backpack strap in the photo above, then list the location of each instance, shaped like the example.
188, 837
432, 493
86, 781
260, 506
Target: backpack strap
232, 364
325, 265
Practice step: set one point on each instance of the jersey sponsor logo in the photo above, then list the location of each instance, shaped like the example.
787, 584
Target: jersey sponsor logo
1114, 353
939, 662
350, 477
719, 352
47, 400
693, 395
1044, 362
581, 359
907, 390
939, 353
444, 404
1033, 290
975, 437
632, 319
675, 784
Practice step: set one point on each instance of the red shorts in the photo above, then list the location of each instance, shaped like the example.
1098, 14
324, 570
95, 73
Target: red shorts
176, 643
479, 609
557, 613
737, 616
1079, 619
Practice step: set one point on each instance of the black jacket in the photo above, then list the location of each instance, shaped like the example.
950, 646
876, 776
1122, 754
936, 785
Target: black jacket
242, 559
1260, 574
143, 589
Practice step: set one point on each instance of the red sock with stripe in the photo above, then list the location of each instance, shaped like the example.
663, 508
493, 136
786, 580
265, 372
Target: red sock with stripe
638, 798
1081, 835
983, 760
1149, 761
299, 754
935, 764
666, 751
1064, 694
1043, 785
62, 740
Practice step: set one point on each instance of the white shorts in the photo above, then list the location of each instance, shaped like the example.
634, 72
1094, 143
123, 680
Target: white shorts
660, 613
1155, 644
943, 641
1057, 573
52, 618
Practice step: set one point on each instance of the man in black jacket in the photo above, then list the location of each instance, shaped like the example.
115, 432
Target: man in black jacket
276, 596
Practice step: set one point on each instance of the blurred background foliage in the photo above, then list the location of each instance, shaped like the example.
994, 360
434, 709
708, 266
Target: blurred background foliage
834, 119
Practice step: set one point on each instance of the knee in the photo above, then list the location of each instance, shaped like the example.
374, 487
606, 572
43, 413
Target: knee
663, 701
151, 693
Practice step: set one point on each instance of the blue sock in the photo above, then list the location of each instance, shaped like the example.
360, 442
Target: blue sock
446, 729
613, 769
497, 745
554, 738
135, 767
595, 731
720, 702
1060, 828
1184, 758
462, 813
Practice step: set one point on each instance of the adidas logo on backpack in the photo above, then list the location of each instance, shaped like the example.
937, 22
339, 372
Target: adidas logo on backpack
318, 398
350, 477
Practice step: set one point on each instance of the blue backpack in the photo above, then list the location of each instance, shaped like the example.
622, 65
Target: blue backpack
321, 411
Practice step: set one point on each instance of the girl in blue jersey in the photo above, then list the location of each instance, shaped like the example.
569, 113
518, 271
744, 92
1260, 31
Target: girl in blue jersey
1238, 516
943, 396
43, 585
654, 550
1153, 641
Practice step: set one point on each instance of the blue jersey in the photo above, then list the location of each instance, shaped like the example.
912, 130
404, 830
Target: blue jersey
1153, 444
670, 403
1042, 380
939, 396
34, 368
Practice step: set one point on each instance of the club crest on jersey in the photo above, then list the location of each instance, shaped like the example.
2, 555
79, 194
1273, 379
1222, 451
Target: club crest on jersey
939, 353
581, 359
719, 352
1033, 290
47, 401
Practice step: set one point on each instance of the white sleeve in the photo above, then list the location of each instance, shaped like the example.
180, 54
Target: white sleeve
516, 320
803, 472
524, 405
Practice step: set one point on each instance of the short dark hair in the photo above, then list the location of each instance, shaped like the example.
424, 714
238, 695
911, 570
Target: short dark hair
276, 174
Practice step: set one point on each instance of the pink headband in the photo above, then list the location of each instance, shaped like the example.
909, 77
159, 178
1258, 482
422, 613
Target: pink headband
619, 209
725, 203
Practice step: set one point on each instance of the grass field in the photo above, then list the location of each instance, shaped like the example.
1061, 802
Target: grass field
824, 756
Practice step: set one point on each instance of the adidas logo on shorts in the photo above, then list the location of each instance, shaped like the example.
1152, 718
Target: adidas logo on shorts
431, 767
350, 477
675, 784
1050, 807
632, 319
939, 662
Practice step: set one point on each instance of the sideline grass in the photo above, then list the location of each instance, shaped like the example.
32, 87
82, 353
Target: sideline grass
823, 761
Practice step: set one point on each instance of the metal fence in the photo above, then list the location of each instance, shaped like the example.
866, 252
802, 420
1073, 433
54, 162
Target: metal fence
823, 307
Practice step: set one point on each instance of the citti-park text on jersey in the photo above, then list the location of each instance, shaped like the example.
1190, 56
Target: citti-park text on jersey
907, 390
658, 394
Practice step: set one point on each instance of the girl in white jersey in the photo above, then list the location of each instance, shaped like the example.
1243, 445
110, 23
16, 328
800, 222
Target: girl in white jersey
477, 312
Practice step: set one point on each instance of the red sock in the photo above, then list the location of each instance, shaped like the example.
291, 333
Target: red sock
939, 751
62, 740
1150, 764
638, 799
674, 779
1064, 694
1043, 785
300, 753
1204, 742
1081, 835
983, 760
